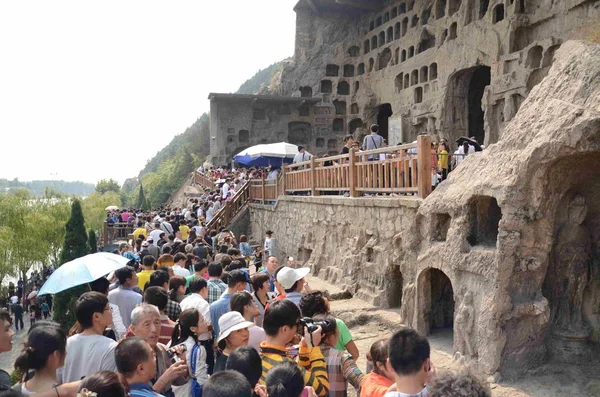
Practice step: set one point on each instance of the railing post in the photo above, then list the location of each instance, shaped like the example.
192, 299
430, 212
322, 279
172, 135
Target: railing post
263, 189
352, 172
282, 181
424, 165
313, 177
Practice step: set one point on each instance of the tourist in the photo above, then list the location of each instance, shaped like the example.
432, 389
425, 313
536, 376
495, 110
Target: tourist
184, 229
341, 366
286, 380
124, 296
6, 335
146, 324
268, 245
102, 285
442, 158
292, 280
153, 249
245, 248
166, 226
179, 265
463, 385
126, 251
377, 383
216, 287
160, 278
43, 353
302, 156
177, 286
409, 357
348, 142
463, 151
158, 297
281, 326
46, 309
156, 233
191, 324
200, 267
201, 249
234, 333
270, 268
135, 362
260, 285
147, 270
314, 303
90, 351
101, 384
247, 362
243, 303
140, 232
227, 384
197, 300
17, 311
373, 141
236, 282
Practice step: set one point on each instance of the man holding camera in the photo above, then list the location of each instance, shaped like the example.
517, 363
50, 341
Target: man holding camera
282, 323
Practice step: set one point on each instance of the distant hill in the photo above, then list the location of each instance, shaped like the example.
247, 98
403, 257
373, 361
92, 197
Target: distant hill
261, 79
38, 188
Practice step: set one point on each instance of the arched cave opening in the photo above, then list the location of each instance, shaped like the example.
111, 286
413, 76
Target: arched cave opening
393, 288
484, 219
383, 116
437, 303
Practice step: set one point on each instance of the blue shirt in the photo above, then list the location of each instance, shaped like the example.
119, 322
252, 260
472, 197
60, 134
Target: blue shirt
142, 390
217, 309
294, 297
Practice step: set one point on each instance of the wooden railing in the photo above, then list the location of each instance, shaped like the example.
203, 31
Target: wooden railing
203, 180
266, 190
395, 169
230, 208
120, 231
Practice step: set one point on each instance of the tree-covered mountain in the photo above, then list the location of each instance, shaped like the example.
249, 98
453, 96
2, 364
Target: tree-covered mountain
261, 80
38, 188
165, 172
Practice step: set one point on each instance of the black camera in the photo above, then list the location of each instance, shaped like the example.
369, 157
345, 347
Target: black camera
311, 325
172, 352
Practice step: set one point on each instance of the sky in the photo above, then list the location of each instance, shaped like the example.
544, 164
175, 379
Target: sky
94, 89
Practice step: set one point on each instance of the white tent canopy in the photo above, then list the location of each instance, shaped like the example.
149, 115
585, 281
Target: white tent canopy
280, 149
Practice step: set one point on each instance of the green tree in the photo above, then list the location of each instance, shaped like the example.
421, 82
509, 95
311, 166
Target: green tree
141, 201
94, 208
92, 241
75, 246
109, 185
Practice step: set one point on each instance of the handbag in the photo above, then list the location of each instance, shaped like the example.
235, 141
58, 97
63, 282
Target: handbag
196, 388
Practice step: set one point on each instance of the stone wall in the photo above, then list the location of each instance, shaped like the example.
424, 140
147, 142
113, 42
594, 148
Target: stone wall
364, 245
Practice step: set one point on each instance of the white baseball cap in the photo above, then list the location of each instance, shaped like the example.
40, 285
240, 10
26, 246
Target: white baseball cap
288, 276
232, 321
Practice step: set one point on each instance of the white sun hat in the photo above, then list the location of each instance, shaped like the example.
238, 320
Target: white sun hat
232, 321
288, 276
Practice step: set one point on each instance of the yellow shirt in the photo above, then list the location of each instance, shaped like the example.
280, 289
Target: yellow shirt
185, 232
140, 231
443, 159
143, 278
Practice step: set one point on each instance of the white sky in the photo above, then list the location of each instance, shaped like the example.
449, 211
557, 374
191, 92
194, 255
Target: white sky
93, 89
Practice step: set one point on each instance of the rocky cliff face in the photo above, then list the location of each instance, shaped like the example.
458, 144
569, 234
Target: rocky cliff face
505, 252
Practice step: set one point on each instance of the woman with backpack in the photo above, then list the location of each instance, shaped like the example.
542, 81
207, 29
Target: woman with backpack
191, 324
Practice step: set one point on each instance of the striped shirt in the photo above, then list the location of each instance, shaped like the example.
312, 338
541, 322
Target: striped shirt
166, 329
216, 288
310, 362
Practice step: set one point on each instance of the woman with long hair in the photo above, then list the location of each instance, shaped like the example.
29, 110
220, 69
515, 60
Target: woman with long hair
44, 352
243, 303
191, 324
177, 288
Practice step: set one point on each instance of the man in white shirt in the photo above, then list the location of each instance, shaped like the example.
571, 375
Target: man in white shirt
463, 151
210, 213
217, 206
373, 141
225, 189
124, 296
197, 300
155, 234
268, 247
302, 155
179, 267
89, 351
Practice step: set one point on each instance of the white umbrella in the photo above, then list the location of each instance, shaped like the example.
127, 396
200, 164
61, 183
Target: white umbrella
32, 294
82, 270
111, 208
280, 149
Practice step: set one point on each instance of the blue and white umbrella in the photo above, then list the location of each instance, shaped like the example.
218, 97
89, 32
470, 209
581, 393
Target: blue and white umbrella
82, 270
267, 154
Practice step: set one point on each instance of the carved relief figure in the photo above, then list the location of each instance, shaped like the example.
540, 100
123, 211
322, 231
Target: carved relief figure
463, 325
571, 259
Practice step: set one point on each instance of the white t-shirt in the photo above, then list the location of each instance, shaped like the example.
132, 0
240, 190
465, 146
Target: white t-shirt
268, 246
180, 271
195, 301
257, 336
87, 355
